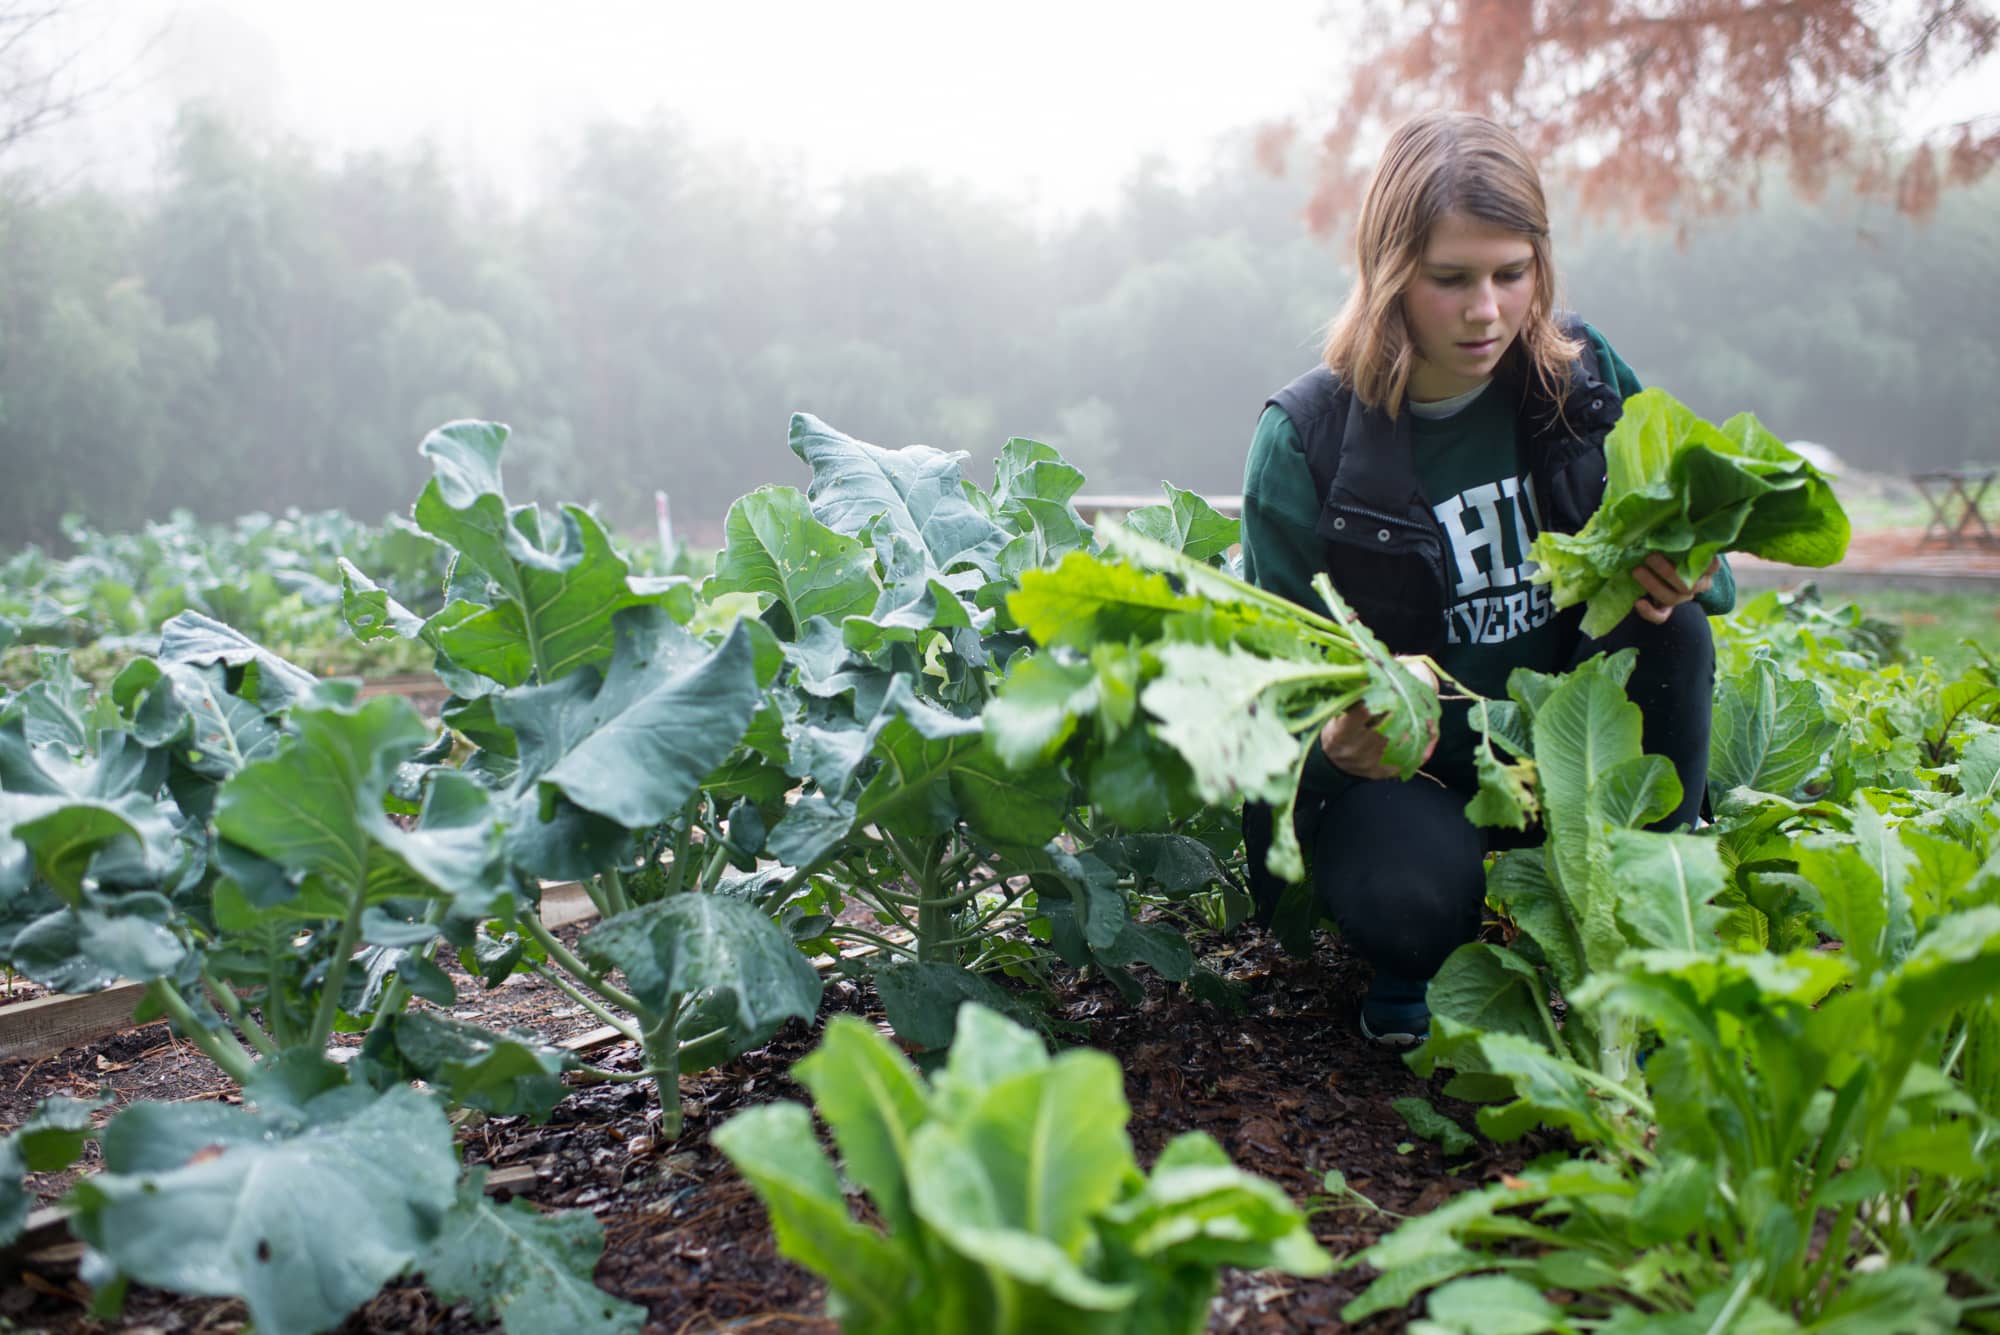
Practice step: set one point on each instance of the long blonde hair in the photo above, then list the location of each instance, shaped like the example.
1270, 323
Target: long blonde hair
1437, 164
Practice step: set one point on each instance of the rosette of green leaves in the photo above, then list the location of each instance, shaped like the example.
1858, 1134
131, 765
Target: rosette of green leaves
1166, 684
1599, 884
1008, 1193
1820, 1157
1679, 485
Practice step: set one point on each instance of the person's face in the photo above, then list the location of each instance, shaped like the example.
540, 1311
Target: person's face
1466, 304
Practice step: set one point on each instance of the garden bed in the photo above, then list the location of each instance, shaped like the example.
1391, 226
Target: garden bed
1288, 1087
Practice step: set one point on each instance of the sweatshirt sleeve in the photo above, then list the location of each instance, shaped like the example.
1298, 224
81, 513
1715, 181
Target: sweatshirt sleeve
1281, 550
1721, 595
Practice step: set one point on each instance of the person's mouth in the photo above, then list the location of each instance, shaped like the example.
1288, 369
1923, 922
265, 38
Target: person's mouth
1478, 347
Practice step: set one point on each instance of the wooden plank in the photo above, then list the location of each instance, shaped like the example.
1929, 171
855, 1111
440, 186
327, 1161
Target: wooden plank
565, 902
48, 1025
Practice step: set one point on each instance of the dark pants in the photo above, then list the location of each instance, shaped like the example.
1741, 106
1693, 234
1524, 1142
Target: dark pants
1401, 870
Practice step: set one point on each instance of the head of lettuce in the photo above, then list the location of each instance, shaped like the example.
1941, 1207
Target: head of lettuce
1682, 486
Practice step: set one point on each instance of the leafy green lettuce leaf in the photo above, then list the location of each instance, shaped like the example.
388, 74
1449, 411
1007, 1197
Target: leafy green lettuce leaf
1680, 485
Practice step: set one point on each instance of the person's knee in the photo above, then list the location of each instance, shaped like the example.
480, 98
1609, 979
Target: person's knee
1405, 920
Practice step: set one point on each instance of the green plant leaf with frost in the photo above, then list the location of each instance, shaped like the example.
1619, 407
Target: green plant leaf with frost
1187, 523
533, 1270
918, 491
774, 548
694, 943
553, 590
504, 1074
303, 1218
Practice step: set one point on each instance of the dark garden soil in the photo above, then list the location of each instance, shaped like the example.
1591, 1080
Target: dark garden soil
1287, 1086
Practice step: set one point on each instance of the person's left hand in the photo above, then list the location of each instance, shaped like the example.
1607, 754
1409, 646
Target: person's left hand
1665, 589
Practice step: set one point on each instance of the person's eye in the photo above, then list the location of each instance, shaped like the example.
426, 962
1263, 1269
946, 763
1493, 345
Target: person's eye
1512, 275
1448, 279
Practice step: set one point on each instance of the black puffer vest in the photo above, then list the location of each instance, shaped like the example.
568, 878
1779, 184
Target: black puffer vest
1384, 549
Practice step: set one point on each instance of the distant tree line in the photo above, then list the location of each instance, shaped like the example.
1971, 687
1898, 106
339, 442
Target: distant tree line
272, 330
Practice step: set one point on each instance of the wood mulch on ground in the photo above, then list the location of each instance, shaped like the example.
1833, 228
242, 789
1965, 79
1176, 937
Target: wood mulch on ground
1287, 1086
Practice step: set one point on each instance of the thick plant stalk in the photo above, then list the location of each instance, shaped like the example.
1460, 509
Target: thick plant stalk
660, 1048
219, 1045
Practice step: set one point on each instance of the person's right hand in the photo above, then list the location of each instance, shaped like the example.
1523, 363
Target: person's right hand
1352, 744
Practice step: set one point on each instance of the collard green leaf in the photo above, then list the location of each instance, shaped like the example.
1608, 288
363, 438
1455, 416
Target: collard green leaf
227, 732
48, 1142
504, 1074
64, 838
1085, 601
921, 999
369, 610
702, 943
304, 1222
1187, 523
658, 724
198, 641
531, 1269
1493, 1305
86, 949
918, 490
554, 592
1666, 884
1863, 885
774, 548
1221, 709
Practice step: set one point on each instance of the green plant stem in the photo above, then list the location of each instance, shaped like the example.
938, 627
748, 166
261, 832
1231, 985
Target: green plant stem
614, 892
862, 934
398, 992
598, 899
606, 1076
220, 1045
711, 872
336, 970
682, 838
577, 969
588, 1002
1836, 1248
662, 1051
226, 1001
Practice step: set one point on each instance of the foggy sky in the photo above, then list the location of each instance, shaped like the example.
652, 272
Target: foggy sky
1049, 102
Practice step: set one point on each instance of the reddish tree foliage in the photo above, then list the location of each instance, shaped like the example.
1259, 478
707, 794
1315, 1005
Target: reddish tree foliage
1667, 108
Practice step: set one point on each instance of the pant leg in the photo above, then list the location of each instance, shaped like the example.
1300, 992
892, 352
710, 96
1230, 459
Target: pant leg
1673, 683
1402, 872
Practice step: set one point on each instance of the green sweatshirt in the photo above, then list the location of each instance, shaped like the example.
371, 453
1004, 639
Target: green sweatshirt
1498, 619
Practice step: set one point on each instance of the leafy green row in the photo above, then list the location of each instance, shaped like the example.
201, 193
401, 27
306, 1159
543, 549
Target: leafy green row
1779, 1135
723, 767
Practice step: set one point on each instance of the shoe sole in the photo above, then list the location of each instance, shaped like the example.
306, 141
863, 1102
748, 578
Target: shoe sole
1393, 1040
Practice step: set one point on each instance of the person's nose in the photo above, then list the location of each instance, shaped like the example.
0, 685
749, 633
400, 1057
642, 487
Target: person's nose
1483, 306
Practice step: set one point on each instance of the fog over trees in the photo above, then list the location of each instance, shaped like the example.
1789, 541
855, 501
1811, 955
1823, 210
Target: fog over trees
271, 328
